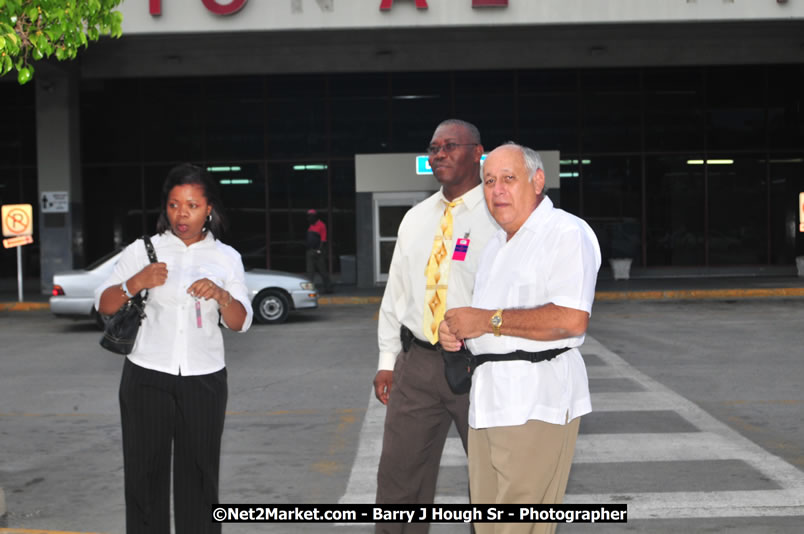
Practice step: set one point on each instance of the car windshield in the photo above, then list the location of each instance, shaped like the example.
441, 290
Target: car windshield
100, 260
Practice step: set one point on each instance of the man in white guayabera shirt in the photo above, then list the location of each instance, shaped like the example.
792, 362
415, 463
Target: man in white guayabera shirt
530, 309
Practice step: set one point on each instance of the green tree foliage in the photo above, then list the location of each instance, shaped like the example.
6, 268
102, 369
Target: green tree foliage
34, 29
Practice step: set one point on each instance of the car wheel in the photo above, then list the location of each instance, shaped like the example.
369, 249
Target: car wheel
100, 320
271, 307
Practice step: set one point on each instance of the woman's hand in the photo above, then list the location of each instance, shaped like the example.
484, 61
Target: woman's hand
152, 275
232, 311
204, 288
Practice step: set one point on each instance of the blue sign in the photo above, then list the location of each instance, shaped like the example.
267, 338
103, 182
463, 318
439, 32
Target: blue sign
423, 164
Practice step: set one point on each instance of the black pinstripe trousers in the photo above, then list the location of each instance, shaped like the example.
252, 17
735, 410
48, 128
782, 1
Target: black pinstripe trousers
160, 411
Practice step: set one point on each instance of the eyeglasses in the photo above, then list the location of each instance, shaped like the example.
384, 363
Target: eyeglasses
447, 147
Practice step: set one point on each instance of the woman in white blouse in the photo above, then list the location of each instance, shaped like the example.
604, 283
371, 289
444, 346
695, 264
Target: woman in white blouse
173, 390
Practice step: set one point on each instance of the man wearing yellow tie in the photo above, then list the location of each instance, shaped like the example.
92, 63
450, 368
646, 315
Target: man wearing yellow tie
433, 269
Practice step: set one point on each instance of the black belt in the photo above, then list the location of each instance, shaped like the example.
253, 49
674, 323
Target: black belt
459, 366
407, 337
532, 357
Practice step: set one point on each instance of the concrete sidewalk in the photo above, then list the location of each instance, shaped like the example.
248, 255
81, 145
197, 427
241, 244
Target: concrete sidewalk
697, 288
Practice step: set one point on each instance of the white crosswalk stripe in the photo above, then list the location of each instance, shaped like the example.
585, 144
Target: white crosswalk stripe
713, 441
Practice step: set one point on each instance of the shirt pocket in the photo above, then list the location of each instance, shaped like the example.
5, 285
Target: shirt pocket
529, 294
216, 273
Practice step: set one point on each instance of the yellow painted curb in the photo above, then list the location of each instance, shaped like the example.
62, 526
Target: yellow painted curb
680, 294
675, 294
325, 301
23, 306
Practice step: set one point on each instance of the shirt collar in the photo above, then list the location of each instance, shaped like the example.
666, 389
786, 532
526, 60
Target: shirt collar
470, 198
174, 239
535, 219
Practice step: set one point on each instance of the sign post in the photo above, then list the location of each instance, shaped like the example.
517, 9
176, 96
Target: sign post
18, 226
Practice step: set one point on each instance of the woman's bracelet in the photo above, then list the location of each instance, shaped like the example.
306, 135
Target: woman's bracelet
228, 301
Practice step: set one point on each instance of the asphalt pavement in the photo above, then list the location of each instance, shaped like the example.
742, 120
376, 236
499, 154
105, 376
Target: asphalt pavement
696, 388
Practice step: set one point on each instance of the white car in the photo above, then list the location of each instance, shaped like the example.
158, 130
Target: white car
273, 294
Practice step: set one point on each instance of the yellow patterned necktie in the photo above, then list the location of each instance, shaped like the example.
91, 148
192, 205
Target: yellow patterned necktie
437, 273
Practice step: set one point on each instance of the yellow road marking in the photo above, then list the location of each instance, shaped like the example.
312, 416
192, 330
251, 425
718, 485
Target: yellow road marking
24, 306
701, 294
600, 295
337, 445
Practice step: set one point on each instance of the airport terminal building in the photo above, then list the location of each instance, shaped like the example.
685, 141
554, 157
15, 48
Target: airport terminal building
674, 127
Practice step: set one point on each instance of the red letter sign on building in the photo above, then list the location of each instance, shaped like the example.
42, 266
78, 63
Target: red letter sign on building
386, 5
229, 9
155, 7
489, 3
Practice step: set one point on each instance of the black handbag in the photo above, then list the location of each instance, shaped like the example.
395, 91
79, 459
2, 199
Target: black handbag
458, 369
121, 329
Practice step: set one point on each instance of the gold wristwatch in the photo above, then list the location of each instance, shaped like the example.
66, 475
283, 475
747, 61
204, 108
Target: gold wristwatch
496, 322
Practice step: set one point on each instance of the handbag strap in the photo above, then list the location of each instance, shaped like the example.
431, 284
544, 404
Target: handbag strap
149, 247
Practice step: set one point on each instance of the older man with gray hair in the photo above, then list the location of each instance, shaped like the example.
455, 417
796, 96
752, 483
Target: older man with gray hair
530, 309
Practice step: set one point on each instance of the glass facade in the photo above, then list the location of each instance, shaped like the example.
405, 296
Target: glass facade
674, 167
18, 168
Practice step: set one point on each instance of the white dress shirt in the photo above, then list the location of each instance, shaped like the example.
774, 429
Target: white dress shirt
169, 339
553, 258
403, 300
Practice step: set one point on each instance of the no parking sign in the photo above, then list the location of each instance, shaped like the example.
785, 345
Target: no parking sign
17, 224
18, 228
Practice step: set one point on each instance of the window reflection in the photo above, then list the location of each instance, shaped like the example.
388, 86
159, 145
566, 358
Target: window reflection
674, 196
673, 109
359, 108
548, 110
613, 204
296, 122
234, 117
618, 120
292, 190
242, 189
123, 218
737, 212
611, 115
486, 99
787, 181
419, 102
735, 100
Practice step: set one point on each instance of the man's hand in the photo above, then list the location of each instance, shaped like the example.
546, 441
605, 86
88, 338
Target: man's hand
466, 323
382, 385
448, 340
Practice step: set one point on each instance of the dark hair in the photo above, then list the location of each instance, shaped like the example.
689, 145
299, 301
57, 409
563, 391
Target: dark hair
471, 129
189, 174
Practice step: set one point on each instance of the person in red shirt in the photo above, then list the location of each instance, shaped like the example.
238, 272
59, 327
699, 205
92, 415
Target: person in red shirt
316, 254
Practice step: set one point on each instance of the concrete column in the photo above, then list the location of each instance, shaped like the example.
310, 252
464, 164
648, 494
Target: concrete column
58, 161
365, 240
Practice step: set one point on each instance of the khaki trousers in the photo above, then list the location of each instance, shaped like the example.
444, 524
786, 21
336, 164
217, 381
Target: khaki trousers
525, 464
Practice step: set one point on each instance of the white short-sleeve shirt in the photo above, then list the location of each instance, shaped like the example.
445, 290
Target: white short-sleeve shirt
553, 258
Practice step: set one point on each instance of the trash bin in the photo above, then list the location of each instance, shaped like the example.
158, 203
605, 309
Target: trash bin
621, 268
348, 270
